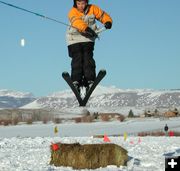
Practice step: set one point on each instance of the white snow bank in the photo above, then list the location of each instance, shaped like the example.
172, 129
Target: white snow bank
148, 154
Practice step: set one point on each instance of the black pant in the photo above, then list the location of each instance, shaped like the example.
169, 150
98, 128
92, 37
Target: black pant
83, 67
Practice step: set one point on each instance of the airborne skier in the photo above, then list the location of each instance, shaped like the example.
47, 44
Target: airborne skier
81, 37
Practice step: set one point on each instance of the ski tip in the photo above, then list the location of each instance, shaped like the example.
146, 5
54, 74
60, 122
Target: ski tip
65, 73
103, 71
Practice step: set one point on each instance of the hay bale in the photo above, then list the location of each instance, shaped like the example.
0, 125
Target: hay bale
88, 156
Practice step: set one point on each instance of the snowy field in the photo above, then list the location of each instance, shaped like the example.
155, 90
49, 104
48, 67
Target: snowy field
27, 147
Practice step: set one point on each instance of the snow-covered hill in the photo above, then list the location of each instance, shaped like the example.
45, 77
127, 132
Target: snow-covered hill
102, 97
14, 99
17, 94
113, 97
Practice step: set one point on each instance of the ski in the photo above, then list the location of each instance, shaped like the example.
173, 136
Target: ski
67, 78
82, 102
99, 77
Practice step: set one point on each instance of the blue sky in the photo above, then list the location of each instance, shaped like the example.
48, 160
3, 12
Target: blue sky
142, 50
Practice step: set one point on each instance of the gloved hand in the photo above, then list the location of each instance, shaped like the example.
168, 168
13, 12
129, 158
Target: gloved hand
90, 33
108, 25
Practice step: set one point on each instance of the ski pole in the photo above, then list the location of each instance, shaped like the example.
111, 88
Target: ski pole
37, 14
100, 30
46, 17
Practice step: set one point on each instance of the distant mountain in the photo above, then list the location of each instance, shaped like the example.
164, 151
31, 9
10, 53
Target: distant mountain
112, 97
14, 99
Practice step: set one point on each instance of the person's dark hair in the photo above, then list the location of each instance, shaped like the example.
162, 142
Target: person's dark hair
74, 5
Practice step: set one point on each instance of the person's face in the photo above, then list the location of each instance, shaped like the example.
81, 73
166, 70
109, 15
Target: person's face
81, 5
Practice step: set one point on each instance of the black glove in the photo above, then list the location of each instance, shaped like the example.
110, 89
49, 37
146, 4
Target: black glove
108, 25
89, 33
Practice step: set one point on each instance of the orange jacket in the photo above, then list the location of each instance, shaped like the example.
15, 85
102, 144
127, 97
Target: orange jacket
75, 17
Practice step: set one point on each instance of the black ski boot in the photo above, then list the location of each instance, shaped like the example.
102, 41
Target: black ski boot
77, 86
89, 85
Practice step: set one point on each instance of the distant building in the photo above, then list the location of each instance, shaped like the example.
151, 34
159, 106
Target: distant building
108, 116
170, 114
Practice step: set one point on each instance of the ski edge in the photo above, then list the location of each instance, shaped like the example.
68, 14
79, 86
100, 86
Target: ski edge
68, 80
98, 79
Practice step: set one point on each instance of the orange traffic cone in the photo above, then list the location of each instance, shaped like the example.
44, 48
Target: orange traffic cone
106, 139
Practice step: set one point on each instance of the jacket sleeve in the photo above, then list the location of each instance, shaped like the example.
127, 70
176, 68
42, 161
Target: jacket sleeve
101, 15
76, 20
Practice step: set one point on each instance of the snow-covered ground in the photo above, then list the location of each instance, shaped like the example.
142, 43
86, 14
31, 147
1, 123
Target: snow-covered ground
27, 147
